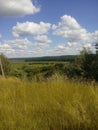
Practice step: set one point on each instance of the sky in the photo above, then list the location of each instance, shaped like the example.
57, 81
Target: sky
33, 28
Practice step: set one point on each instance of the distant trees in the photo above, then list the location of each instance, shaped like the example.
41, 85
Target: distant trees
4, 65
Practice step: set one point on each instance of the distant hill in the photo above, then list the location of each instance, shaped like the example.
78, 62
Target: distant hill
68, 58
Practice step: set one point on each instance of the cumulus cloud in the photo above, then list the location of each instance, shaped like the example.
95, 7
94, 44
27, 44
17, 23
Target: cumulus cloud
30, 28
18, 44
70, 30
6, 49
12, 47
42, 39
17, 7
24, 47
41, 45
76, 36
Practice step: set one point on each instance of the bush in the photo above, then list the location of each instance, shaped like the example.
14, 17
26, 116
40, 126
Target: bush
87, 64
72, 71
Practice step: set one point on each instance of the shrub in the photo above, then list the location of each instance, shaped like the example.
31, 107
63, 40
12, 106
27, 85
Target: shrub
87, 64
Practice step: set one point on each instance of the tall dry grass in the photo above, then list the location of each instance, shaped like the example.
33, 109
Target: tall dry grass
55, 104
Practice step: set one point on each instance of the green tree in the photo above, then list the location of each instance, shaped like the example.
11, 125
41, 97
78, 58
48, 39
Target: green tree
5, 65
87, 64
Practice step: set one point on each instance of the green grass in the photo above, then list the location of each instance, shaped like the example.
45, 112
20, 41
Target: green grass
55, 104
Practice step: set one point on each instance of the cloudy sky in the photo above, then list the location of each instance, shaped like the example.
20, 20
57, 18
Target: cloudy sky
30, 28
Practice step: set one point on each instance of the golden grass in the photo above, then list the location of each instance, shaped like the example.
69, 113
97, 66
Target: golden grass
55, 104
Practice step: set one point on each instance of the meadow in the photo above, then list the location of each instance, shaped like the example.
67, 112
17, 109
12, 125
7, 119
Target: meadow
54, 104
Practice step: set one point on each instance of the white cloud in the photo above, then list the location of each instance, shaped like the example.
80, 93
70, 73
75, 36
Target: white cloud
41, 45
66, 46
17, 7
18, 44
42, 39
23, 48
30, 28
4, 46
6, 49
13, 48
70, 30
60, 46
77, 37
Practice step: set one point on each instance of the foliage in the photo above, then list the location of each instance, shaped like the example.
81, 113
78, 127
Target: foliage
5, 64
55, 104
71, 71
38, 70
87, 64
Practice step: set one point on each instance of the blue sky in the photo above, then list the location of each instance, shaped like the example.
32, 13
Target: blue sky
47, 27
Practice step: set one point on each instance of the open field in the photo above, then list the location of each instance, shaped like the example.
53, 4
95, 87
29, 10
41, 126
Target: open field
54, 104
42, 69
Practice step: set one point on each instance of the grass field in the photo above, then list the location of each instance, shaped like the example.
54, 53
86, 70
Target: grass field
55, 104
